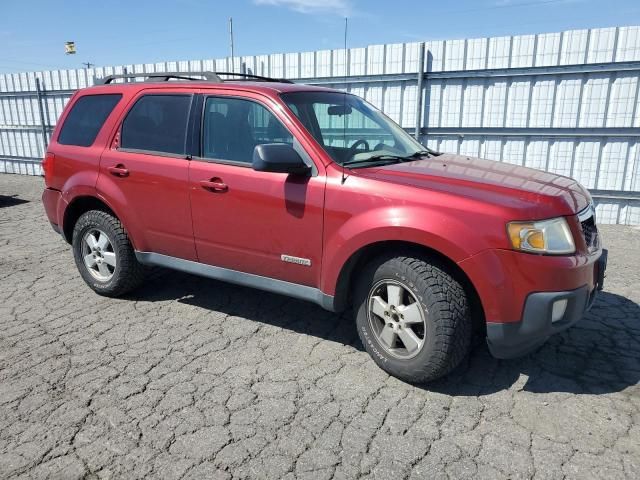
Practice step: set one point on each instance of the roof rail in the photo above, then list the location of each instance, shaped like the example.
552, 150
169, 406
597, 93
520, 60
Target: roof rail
253, 77
166, 76
162, 76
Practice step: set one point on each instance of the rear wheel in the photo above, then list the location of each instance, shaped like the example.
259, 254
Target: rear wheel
412, 317
104, 255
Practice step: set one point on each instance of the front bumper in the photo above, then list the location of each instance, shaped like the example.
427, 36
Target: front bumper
509, 340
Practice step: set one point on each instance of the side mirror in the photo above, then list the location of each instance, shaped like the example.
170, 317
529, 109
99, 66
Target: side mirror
278, 158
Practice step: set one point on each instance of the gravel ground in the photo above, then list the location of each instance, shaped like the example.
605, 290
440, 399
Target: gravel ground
193, 378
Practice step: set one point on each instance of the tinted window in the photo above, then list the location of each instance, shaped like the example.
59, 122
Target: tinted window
233, 127
86, 119
157, 123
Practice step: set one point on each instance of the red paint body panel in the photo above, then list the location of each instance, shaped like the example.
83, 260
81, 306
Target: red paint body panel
260, 217
152, 201
456, 205
51, 199
520, 192
504, 278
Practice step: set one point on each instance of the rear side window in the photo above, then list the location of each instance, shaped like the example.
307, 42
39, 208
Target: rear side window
86, 119
157, 123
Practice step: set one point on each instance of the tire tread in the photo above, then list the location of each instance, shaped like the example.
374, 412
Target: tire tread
131, 273
448, 305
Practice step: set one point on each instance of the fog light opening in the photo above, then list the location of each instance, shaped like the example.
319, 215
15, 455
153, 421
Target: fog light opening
558, 310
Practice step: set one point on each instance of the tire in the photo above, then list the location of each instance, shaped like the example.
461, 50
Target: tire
114, 269
429, 287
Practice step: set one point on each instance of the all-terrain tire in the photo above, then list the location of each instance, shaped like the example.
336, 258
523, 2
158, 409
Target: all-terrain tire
128, 273
448, 330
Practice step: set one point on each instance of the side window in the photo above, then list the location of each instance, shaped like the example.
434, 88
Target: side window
86, 118
157, 123
233, 127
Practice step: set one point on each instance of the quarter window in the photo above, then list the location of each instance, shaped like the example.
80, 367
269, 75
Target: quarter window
233, 127
86, 118
157, 123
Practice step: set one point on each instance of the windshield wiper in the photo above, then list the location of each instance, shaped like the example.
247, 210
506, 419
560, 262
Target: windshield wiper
420, 153
373, 161
376, 159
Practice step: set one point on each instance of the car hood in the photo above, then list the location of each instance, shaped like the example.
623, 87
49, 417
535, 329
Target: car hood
540, 193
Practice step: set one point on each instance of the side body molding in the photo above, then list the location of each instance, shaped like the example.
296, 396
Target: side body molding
301, 292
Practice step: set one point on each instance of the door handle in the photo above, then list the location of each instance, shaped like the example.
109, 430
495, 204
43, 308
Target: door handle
118, 171
214, 185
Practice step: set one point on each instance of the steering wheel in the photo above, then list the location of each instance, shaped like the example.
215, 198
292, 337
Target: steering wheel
352, 149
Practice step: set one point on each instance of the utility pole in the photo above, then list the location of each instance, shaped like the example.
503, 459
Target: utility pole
88, 64
231, 41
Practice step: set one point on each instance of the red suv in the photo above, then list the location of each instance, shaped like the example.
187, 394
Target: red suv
313, 193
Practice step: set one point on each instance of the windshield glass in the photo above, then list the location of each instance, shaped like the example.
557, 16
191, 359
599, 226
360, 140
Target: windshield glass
348, 128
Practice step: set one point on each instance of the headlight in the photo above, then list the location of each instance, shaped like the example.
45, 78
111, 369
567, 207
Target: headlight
547, 236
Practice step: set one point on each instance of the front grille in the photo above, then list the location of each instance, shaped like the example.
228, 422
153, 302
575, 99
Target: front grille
589, 230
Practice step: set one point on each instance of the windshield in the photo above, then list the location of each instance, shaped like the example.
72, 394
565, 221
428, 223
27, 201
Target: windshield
349, 129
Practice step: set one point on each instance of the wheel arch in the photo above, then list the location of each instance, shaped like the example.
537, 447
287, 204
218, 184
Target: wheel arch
348, 273
77, 207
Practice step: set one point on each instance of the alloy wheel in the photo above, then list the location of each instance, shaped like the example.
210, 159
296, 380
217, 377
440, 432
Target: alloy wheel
397, 319
98, 255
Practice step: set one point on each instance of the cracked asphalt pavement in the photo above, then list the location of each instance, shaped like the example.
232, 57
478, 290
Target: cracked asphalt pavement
193, 378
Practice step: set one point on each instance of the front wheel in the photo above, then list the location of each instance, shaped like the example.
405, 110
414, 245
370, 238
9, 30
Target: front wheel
413, 317
104, 255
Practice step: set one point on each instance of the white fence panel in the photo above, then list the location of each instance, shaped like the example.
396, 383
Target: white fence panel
566, 102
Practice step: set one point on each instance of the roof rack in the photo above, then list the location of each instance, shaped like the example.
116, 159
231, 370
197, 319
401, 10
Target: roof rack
206, 76
252, 77
164, 76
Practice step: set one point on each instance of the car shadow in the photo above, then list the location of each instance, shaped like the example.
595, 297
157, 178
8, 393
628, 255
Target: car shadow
11, 201
600, 354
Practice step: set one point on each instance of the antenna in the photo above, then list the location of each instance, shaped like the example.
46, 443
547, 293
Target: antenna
231, 42
344, 98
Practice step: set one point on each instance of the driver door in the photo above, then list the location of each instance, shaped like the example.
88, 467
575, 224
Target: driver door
263, 223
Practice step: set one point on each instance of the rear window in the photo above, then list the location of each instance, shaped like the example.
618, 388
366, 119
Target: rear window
157, 123
86, 118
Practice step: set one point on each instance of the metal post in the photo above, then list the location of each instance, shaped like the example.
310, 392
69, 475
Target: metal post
419, 92
45, 138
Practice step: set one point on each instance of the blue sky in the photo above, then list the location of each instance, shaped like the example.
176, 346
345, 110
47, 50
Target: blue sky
33, 32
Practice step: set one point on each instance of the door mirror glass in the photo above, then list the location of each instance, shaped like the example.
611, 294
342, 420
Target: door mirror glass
278, 158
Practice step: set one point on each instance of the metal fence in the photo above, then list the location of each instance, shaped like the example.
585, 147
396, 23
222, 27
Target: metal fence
565, 102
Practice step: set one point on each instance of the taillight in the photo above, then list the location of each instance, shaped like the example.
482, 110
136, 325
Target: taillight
47, 167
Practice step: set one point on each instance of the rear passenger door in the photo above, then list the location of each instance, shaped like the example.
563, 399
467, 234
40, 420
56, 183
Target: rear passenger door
144, 173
